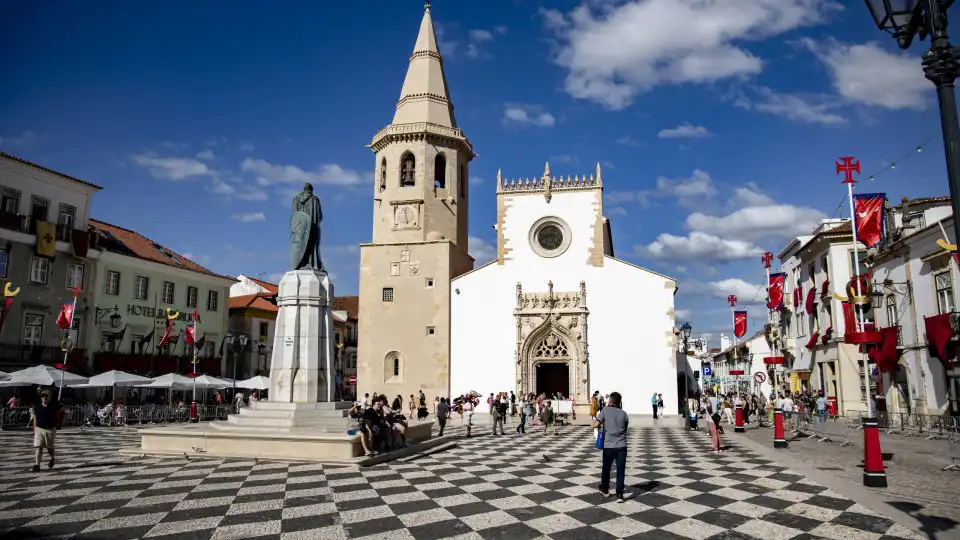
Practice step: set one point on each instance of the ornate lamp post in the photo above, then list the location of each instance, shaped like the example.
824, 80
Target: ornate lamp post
905, 19
115, 318
239, 343
685, 331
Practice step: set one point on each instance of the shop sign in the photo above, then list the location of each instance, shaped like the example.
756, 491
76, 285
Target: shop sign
158, 313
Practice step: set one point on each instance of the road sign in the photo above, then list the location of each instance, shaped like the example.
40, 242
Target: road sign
759, 377
707, 371
353, 379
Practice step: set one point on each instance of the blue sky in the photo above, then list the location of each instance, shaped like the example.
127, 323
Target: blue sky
717, 121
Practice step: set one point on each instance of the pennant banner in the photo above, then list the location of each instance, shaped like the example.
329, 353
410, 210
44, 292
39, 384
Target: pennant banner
46, 239
191, 335
739, 323
166, 334
65, 319
775, 290
868, 217
7, 302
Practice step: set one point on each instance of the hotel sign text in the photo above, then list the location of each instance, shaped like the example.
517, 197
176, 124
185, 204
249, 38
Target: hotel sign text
157, 313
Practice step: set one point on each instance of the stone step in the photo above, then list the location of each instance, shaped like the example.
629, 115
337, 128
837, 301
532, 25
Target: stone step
288, 422
282, 406
279, 428
274, 413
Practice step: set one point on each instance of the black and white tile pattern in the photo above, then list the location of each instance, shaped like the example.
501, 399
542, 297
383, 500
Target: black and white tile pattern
512, 487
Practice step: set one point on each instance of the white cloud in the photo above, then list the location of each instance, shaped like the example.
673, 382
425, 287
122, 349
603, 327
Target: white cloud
680, 314
480, 36
173, 168
247, 147
750, 195
746, 293
520, 113
688, 191
614, 52
481, 250
268, 173
698, 247
807, 109
616, 211
23, 139
251, 217
868, 74
629, 141
246, 192
755, 222
475, 180
206, 155
685, 130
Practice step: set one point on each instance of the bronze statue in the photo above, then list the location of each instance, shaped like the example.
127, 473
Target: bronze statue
305, 231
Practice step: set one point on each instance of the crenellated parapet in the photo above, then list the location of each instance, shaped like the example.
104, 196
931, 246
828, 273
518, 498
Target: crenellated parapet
548, 184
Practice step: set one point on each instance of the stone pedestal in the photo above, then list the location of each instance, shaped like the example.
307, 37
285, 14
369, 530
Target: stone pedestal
301, 366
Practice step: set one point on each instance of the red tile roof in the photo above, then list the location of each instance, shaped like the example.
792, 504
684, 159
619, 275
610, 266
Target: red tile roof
350, 304
253, 301
922, 200
266, 285
133, 244
46, 169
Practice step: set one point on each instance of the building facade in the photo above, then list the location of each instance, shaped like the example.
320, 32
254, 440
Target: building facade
45, 253
137, 284
556, 312
914, 284
419, 244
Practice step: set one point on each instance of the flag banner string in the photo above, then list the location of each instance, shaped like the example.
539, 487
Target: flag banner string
918, 149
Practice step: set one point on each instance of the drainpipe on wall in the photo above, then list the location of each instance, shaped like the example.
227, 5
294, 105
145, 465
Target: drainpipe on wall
919, 400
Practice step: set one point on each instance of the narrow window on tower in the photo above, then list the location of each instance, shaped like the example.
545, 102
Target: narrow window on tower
408, 170
440, 172
383, 174
462, 182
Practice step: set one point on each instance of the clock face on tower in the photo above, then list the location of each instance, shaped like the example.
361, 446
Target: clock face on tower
405, 216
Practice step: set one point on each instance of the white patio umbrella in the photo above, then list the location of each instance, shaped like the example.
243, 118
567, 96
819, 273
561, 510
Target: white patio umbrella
117, 378
46, 376
170, 380
4, 375
258, 382
206, 381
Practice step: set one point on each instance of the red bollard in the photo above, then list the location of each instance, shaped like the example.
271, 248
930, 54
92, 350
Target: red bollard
874, 474
779, 439
738, 425
194, 417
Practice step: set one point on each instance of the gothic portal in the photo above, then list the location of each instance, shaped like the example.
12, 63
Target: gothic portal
551, 353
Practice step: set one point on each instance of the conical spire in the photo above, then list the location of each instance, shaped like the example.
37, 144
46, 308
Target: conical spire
424, 97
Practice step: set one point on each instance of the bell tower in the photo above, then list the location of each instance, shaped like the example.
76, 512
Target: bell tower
420, 234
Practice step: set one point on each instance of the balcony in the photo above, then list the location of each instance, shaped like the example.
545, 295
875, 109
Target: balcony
153, 365
28, 225
16, 356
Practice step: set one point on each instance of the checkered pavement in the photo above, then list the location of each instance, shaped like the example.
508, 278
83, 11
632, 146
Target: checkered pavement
514, 487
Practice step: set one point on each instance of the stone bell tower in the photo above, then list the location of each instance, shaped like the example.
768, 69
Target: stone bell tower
419, 235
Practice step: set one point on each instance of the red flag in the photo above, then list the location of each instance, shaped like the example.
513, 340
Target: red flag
849, 318
166, 334
775, 290
869, 217
190, 336
7, 302
739, 323
65, 319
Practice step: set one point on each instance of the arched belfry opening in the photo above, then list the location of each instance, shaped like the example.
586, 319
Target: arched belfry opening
383, 174
440, 172
408, 170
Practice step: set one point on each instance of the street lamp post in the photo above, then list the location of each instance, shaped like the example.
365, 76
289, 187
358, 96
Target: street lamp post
685, 331
238, 344
905, 19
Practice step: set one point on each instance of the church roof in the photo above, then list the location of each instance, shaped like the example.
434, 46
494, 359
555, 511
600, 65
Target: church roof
424, 97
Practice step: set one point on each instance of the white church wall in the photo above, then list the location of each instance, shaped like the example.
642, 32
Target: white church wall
577, 209
630, 326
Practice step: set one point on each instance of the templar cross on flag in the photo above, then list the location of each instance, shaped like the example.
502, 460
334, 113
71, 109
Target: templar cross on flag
767, 259
732, 299
848, 166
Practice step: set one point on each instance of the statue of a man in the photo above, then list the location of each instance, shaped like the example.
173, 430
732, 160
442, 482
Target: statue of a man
305, 231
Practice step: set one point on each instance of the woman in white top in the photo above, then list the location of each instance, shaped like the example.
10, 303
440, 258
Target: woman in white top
468, 413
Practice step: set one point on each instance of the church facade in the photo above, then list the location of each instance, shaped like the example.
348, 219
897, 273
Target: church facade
556, 311
420, 196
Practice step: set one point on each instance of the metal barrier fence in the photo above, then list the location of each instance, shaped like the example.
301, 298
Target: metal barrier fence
84, 416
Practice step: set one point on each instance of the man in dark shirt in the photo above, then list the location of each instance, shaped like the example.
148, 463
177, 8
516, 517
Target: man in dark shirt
371, 418
443, 411
614, 421
44, 428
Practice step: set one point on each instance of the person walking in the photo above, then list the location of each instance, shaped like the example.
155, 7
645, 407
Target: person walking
45, 428
549, 418
614, 422
522, 428
713, 418
443, 412
653, 403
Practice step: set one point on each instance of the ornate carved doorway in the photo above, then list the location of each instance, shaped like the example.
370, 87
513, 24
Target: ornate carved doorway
551, 353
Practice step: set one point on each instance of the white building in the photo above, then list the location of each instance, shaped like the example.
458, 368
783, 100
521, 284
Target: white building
556, 312
913, 280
